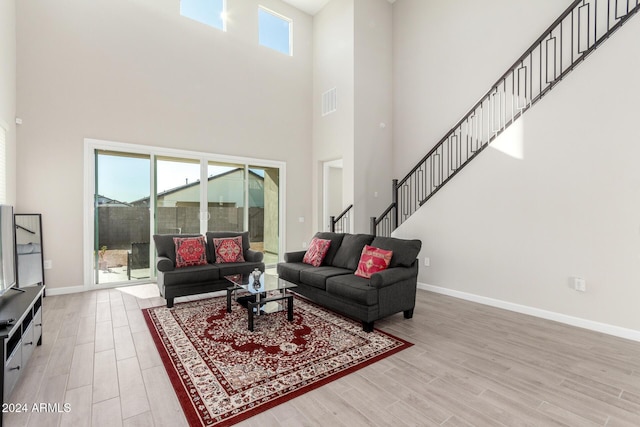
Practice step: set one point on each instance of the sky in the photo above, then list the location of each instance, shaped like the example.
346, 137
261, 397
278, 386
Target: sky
206, 11
273, 30
127, 179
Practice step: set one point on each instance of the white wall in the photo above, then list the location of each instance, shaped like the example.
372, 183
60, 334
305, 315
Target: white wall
8, 90
138, 72
516, 229
447, 54
353, 53
373, 110
333, 66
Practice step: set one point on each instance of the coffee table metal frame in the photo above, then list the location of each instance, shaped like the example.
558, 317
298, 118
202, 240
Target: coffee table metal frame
261, 297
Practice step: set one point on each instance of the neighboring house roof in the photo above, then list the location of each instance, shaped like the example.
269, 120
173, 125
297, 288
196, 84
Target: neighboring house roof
107, 201
145, 201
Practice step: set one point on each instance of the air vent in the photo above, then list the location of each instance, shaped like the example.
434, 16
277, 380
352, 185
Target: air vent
329, 102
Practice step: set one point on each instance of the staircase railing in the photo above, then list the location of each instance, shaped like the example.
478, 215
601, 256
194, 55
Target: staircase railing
563, 46
341, 223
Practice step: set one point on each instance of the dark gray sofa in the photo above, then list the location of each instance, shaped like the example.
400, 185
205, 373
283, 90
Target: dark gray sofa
334, 285
177, 282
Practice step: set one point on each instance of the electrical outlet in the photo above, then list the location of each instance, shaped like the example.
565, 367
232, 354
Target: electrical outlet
579, 284
48, 264
427, 262
304, 245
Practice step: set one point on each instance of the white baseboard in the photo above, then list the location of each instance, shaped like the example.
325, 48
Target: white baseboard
65, 291
604, 328
76, 289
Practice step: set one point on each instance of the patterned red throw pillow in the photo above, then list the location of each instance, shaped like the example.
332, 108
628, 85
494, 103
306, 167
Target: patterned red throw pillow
373, 260
228, 249
317, 250
190, 251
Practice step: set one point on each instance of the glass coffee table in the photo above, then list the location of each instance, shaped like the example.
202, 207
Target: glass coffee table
268, 294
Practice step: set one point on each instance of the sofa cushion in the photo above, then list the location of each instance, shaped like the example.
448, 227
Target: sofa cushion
317, 251
223, 235
188, 275
348, 254
317, 277
190, 251
352, 288
228, 249
372, 261
290, 271
336, 241
165, 245
405, 252
230, 268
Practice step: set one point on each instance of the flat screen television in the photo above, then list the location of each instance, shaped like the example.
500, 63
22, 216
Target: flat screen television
7, 249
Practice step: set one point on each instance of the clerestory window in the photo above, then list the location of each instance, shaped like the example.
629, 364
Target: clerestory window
209, 12
275, 31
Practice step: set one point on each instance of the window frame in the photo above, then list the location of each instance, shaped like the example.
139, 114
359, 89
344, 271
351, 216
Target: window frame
91, 145
283, 18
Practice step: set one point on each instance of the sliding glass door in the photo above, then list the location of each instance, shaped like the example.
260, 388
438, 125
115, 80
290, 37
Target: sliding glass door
121, 219
245, 197
136, 195
225, 197
177, 195
263, 221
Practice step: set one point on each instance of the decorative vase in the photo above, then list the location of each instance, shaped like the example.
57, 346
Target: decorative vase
255, 275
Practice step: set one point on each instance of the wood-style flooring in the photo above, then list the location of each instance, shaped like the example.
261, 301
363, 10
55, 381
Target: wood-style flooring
471, 365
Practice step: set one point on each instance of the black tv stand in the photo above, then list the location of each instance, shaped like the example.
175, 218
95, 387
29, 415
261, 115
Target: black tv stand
19, 338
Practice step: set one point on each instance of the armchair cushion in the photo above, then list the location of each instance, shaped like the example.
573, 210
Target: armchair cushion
194, 274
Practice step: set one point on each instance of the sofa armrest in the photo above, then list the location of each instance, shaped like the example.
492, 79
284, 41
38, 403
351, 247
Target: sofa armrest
253, 256
165, 264
294, 256
393, 275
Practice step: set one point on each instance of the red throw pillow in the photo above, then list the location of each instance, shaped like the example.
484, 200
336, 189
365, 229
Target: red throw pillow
373, 260
190, 251
318, 248
228, 249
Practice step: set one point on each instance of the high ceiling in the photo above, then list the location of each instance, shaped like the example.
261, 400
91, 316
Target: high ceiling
312, 6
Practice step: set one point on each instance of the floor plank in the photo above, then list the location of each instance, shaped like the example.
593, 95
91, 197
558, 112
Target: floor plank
470, 365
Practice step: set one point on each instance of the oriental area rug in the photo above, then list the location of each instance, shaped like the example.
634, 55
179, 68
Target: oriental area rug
223, 373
